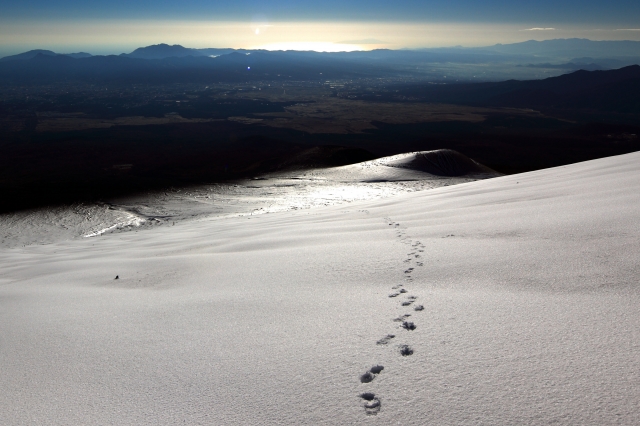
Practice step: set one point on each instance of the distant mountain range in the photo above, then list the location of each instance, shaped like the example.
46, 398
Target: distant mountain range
611, 90
162, 51
567, 49
33, 53
614, 90
156, 51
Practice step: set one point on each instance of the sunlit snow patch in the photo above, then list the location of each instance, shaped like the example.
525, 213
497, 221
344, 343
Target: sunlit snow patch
130, 220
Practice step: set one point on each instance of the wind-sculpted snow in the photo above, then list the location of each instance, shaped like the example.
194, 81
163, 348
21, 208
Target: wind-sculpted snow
422, 165
442, 162
276, 192
516, 302
47, 225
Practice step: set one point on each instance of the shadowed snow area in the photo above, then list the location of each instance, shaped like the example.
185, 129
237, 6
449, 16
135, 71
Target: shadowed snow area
283, 191
505, 301
47, 225
438, 166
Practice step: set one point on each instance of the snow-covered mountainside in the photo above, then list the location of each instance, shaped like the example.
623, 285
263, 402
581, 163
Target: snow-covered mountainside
511, 300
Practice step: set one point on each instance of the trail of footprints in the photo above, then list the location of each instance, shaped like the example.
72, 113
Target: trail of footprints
372, 403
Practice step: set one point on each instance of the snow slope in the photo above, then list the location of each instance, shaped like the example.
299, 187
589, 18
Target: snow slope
302, 188
529, 285
436, 165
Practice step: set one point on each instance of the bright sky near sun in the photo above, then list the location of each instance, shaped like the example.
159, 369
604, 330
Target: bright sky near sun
117, 26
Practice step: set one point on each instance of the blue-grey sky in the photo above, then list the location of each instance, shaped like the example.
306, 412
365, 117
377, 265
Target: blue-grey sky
103, 26
551, 11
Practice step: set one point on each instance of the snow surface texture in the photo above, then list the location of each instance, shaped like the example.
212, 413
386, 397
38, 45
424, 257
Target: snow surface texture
290, 190
47, 225
506, 301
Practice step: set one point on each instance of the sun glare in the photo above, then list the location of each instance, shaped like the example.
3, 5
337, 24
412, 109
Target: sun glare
314, 46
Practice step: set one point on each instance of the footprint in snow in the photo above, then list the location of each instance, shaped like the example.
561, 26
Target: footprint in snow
371, 374
401, 318
386, 339
376, 369
372, 403
418, 308
408, 325
367, 377
405, 350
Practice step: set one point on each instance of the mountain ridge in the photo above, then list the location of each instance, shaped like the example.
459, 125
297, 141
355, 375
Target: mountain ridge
571, 48
33, 53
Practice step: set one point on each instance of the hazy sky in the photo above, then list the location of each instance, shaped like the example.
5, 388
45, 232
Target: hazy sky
113, 26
